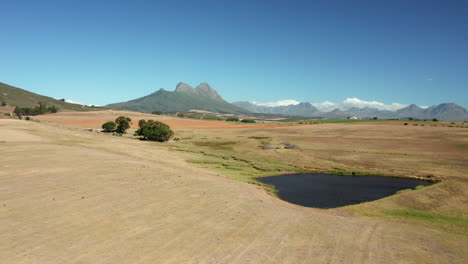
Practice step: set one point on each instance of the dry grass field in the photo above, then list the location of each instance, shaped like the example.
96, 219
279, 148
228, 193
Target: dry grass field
95, 119
73, 195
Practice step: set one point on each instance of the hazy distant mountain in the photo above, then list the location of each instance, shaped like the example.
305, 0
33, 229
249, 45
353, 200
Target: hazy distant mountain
14, 96
413, 111
301, 109
450, 112
446, 112
183, 99
334, 114
368, 112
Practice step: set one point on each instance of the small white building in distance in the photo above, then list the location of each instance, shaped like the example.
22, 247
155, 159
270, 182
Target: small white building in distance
352, 117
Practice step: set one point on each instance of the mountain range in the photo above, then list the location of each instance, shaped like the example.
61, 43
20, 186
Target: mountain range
183, 99
445, 111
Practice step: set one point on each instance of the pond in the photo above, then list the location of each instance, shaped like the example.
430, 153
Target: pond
329, 191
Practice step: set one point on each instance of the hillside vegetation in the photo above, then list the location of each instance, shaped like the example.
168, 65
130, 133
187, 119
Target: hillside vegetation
14, 96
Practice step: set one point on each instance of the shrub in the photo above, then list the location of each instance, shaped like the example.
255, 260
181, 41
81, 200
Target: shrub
38, 110
3, 103
155, 130
232, 119
375, 118
141, 123
123, 123
53, 109
406, 124
109, 126
28, 118
156, 112
248, 121
435, 120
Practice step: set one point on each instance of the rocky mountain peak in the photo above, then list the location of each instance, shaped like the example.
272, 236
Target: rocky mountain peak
184, 88
205, 89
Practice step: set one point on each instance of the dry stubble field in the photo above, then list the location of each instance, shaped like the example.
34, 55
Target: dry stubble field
69, 195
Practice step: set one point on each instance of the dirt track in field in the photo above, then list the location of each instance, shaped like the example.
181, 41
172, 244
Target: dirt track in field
72, 196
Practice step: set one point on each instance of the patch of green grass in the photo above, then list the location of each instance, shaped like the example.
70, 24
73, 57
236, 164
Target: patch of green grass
428, 217
260, 137
222, 147
205, 162
347, 120
216, 145
462, 146
338, 171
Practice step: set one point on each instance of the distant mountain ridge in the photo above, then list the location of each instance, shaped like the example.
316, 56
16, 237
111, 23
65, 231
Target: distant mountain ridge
445, 111
184, 98
301, 109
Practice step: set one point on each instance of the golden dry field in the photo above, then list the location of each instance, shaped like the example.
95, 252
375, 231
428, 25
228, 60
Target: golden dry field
71, 194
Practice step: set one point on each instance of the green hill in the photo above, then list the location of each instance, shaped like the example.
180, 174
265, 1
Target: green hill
14, 96
183, 99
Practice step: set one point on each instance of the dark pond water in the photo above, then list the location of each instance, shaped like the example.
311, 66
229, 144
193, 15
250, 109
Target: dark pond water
328, 191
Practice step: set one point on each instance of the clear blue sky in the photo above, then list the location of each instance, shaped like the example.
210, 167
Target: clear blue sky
101, 52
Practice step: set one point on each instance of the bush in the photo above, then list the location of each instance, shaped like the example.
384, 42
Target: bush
156, 112
123, 123
155, 130
38, 110
232, 119
141, 123
109, 126
248, 121
406, 124
3, 103
28, 118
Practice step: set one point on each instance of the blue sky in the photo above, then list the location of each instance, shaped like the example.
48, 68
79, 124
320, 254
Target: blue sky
100, 52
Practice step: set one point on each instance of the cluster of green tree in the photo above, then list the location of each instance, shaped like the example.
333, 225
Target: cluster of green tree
41, 109
232, 119
120, 125
248, 121
154, 130
417, 119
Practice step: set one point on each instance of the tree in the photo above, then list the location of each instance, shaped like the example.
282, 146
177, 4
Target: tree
123, 123
109, 126
232, 119
18, 112
155, 130
375, 118
3, 103
248, 121
41, 109
141, 123
435, 120
156, 112
53, 109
